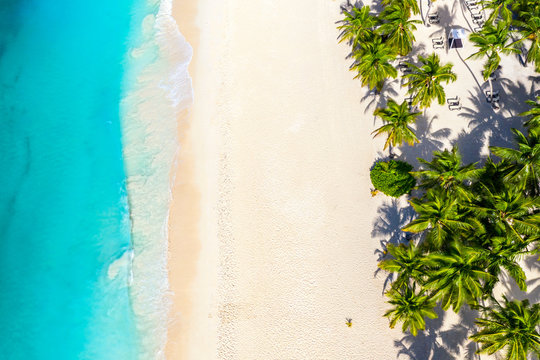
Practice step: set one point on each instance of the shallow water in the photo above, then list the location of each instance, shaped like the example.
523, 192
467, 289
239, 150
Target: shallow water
64, 215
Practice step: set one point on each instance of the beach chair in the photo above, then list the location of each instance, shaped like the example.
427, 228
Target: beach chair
438, 46
480, 23
453, 101
492, 97
471, 5
403, 68
434, 19
453, 107
477, 16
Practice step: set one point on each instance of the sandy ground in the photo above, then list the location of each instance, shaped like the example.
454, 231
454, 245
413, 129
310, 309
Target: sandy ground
274, 235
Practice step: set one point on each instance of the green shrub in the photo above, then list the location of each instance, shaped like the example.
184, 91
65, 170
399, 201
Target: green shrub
392, 177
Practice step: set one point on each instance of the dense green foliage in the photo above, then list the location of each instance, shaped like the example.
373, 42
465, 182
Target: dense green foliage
392, 177
472, 223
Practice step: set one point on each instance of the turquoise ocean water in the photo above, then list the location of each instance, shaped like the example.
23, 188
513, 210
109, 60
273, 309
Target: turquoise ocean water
64, 214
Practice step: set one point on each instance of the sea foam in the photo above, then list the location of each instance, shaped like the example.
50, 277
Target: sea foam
157, 87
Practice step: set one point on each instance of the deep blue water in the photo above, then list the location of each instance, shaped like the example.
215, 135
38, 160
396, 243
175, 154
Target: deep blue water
63, 206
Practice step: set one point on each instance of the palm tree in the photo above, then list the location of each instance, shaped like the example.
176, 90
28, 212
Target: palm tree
524, 162
529, 28
410, 308
397, 118
408, 262
492, 176
533, 114
499, 8
425, 82
456, 276
491, 42
446, 170
505, 254
510, 212
511, 327
410, 5
398, 28
357, 26
439, 215
373, 63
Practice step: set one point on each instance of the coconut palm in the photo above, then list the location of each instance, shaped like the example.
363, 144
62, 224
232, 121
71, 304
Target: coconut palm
357, 26
499, 8
491, 175
529, 28
533, 114
457, 276
510, 212
440, 216
492, 41
425, 81
511, 327
410, 308
524, 162
373, 65
411, 5
397, 118
446, 171
505, 254
398, 28
408, 262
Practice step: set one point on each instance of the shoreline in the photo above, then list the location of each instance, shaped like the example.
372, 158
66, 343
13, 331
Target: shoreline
192, 262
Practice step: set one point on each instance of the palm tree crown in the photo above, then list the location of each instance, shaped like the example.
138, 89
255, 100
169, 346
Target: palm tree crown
457, 276
533, 114
410, 308
373, 63
398, 28
407, 261
397, 117
492, 41
499, 8
357, 26
409, 5
523, 162
529, 28
425, 81
512, 327
440, 216
446, 170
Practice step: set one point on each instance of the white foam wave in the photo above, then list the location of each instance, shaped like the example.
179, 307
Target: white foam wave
158, 87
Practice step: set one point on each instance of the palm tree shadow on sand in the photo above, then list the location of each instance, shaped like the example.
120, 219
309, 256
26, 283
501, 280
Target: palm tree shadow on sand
391, 217
511, 289
487, 127
429, 141
374, 100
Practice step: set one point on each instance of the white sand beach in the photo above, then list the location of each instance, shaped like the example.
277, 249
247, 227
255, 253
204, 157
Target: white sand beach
274, 234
